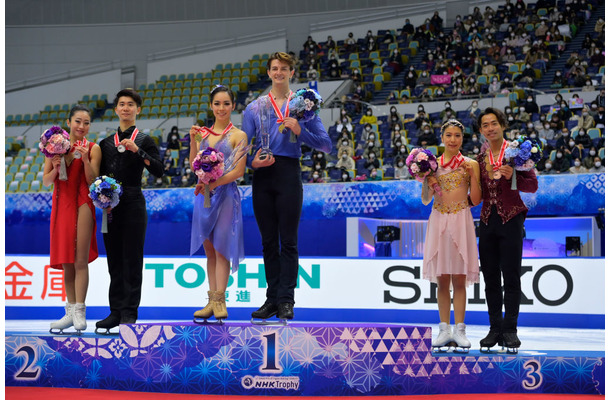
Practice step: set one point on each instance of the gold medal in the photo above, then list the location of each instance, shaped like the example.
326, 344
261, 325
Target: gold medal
281, 128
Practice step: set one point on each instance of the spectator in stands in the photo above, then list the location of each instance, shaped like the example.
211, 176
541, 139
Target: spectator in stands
547, 133
562, 161
168, 161
589, 159
421, 36
495, 86
600, 25
545, 167
345, 176
597, 59
588, 87
541, 30
374, 175
437, 22
577, 168
316, 176
583, 140
472, 87
401, 171
312, 73
410, 81
329, 44
312, 60
345, 122
423, 80
350, 43
600, 119
403, 99
585, 120
173, 139
249, 99
370, 136
334, 69
391, 99
564, 111
528, 75
523, 116
372, 160
345, 161
319, 158
563, 139
507, 85
559, 81
531, 106
310, 45
408, 29
598, 167
345, 143
395, 61
427, 137
447, 113
512, 122
394, 117
398, 140
368, 118
402, 152
509, 57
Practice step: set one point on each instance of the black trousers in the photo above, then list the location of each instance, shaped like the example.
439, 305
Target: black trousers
277, 199
500, 252
125, 251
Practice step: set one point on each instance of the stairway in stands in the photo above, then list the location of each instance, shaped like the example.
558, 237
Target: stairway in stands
575, 45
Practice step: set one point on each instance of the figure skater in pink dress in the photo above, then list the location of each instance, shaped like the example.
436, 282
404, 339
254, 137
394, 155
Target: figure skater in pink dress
450, 251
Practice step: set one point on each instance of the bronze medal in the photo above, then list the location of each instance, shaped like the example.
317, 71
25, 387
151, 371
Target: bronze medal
497, 175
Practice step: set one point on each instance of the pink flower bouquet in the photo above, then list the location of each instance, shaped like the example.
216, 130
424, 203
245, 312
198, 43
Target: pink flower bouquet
55, 141
208, 165
422, 163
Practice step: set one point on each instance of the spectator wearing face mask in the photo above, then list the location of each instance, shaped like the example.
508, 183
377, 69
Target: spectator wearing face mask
583, 140
564, 111
447, 113
559, 81
523, 115
471, 144
318, 158
577, 168
427, 137
474, 110
513, 123
401, 153
589, 160
556, 123
168, 162
345, 176
374, 175
401, 171
345, 144
398, 140
597, 59
598, 167
585, 121
372, 160
395, 61
394, 116
345, 161
422, 117
173, 139
344, 122
368, 118
545, 167
495, 86
562, 162
547, 133
410, 81
507, 85
316, 176
530, 105
368, 133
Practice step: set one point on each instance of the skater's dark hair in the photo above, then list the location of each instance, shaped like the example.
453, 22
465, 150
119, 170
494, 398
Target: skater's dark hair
499, 115
128, 93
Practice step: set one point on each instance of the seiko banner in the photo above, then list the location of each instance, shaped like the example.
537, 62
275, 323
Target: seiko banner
555, 286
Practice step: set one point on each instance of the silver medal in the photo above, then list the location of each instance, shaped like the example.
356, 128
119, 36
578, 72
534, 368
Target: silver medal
120, 148
77, 155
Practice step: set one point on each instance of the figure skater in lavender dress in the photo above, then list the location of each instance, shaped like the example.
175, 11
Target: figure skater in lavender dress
219, 227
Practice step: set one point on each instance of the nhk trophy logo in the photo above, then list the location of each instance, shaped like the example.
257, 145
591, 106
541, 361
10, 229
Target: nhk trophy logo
270, 382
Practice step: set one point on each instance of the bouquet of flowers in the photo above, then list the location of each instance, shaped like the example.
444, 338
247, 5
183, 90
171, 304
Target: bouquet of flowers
105, 193
208, 165
522, 154
55, 141
421, 163
304, 105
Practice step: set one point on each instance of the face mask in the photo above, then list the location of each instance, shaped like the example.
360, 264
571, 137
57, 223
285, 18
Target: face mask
316, 176
475, 150
371, 156
426, 130
344, 176
373, 174
344, 156
565, 134
475, 105
598, 164
577, 164
188, 170
184, 180
371, 137
318, 166
344, 121
397, 129
547, 126
510, 119
403, 150
530, 100
548, 166
530, 125
592, 153
475, 139
371, 144
158, 181
559, 155
581, 133
368, 128
522, 109
400, 164
320, 155
369, 113
571, 143
344, 143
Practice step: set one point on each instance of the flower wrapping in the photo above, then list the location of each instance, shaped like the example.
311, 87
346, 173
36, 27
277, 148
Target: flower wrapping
105, 193
208, 165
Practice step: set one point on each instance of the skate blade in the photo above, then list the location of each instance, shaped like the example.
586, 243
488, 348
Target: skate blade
441, 349
461, 350
281, 322
206, 321
59, 331
107, 333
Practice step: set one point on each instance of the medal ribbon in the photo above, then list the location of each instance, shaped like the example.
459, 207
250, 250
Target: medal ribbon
497, 164
455, 161
278, 113
205, 131
84, 143
133, 137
